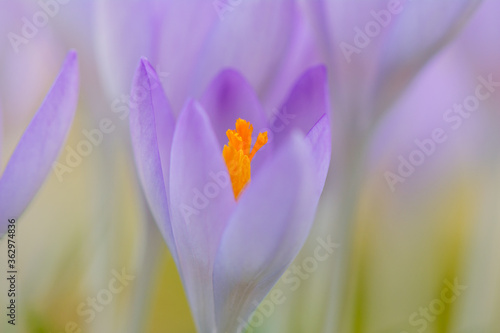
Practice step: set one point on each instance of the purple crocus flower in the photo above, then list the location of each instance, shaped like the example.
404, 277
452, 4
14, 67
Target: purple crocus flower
231, 248
40, 144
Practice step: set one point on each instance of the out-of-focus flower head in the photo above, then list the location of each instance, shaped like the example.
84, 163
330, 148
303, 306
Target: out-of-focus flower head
189, 42
376, 48
39, 147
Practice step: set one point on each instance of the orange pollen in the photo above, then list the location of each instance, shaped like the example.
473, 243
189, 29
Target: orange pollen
237, 153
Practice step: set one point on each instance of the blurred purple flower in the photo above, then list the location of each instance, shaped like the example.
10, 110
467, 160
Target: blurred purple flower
376, 48
231, 252
40, 144
188, 40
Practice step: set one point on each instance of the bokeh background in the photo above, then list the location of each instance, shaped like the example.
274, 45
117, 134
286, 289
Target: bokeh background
398, 248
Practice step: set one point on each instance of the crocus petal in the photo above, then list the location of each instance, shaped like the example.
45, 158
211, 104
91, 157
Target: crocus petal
236, 42
485, 24
179, 55
268, 228
402, 57
152, 129
202, 200
303, 53
319, 139
115, 21
1, 138
228, 98
128, 29
306, 104
40, 144
379, 64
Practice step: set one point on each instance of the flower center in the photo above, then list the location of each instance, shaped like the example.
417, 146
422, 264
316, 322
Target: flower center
238, 155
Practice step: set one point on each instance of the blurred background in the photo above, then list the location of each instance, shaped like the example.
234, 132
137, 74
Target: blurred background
412, 198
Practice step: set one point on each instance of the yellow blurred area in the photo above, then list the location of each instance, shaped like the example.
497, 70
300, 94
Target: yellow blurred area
169, 306
401, 257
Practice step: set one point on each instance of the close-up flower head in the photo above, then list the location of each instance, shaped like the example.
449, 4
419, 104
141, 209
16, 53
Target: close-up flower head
249, 166
233, 218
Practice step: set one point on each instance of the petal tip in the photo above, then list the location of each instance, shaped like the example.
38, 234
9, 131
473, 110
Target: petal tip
318, 73
230, 72
144, 62
145, 69
226, 80
72, 55
192, 108
71, 63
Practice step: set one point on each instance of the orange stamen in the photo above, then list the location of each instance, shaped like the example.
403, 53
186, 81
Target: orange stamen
237, 153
